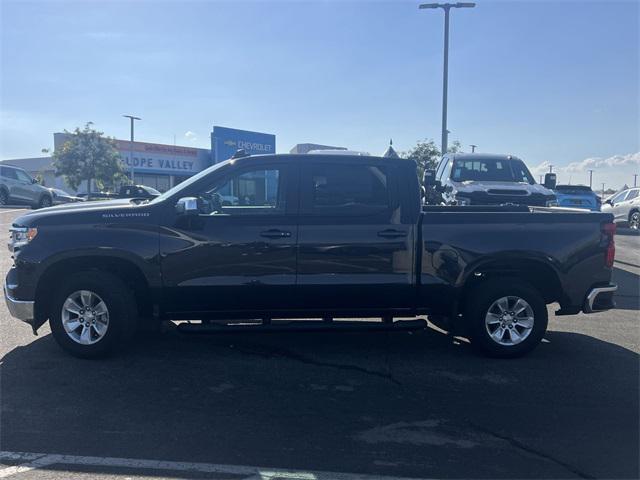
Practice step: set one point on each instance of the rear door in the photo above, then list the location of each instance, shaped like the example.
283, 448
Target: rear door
10, 179
355, 252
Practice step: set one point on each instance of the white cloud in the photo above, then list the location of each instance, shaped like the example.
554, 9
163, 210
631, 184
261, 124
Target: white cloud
190, 136
614, 171
631, 159
541, 168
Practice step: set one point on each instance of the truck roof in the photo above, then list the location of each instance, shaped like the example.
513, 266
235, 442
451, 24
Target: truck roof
321, 157
482, 156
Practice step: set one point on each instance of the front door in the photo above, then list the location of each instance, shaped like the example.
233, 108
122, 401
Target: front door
622, 208
239, 253
14, 186
25, 187
355, 252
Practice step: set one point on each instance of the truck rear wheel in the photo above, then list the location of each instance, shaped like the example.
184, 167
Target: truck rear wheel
92, 314
507, 318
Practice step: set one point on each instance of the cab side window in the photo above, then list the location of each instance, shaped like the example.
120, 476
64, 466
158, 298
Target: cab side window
22, 176
9, 173
632, 194
347, 190
249, 192
619, 197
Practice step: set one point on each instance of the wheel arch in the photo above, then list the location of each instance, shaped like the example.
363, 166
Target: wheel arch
541, 274
126, 270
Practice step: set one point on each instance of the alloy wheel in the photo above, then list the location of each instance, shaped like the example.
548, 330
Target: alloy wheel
85, 317
509, 320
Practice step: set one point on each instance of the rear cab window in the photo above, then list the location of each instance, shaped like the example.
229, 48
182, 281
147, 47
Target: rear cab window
349, 190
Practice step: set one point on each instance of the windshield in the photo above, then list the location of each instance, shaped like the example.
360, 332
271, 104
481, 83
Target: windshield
151, 190
490, 170
190, 181
574, 189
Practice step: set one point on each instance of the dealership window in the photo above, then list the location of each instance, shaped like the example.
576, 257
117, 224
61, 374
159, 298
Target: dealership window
159, 182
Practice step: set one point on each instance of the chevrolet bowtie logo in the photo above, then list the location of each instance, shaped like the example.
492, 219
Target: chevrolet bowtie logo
230, 143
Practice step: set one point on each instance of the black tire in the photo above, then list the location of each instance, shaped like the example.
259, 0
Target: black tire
121, 306
483, 297
45, 201
634, 220
4, 197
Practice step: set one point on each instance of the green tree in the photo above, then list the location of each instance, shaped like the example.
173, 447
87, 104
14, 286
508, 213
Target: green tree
427, 155
88, 156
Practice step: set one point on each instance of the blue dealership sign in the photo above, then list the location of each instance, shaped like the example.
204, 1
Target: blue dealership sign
226, 141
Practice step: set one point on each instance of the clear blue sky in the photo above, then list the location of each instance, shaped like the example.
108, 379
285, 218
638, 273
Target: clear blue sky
549, 81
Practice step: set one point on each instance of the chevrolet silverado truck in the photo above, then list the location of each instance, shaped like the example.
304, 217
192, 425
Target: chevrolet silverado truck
311, 237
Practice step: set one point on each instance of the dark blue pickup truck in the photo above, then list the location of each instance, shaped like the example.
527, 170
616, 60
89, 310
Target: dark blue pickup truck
310, 236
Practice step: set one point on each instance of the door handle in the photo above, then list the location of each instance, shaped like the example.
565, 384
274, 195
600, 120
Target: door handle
275, 234
390, 233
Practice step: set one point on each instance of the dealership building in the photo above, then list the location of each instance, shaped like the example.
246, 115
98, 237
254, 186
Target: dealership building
158, 165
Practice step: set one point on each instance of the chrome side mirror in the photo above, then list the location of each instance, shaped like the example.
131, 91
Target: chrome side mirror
187, 206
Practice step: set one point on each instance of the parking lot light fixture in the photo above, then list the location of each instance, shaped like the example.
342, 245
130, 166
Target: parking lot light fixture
133, 119
445, 73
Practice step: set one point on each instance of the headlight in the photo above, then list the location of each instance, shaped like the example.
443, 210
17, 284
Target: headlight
552, 203
21, 236
463, 201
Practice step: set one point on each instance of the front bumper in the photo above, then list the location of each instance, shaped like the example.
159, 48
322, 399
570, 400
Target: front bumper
20, 309
600, 299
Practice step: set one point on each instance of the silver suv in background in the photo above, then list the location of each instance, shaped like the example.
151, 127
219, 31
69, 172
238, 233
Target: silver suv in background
625, 206
18, 187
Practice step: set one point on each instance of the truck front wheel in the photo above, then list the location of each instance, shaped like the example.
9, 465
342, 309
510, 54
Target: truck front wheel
92, 313
507, 318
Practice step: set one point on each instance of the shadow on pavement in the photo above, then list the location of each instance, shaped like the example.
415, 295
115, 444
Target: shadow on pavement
396, 403
628, 295
627, 232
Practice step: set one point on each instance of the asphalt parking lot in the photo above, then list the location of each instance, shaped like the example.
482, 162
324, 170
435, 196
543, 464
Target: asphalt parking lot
328, 405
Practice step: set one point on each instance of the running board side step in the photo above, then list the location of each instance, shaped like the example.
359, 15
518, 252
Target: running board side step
304, 326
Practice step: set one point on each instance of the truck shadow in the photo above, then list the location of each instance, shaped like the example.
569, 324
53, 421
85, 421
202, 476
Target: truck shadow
395, 403
628, 295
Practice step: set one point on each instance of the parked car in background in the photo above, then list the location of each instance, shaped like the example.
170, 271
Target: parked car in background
228, 200
489, 179
577, 196
138, 191
625, 207
97, 195
18, 187
60, 196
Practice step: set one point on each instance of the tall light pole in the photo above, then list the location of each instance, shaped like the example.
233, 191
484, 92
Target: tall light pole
133, 119
603, 190
635, 179
473, 147
445, 74
550, 168
590, 178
